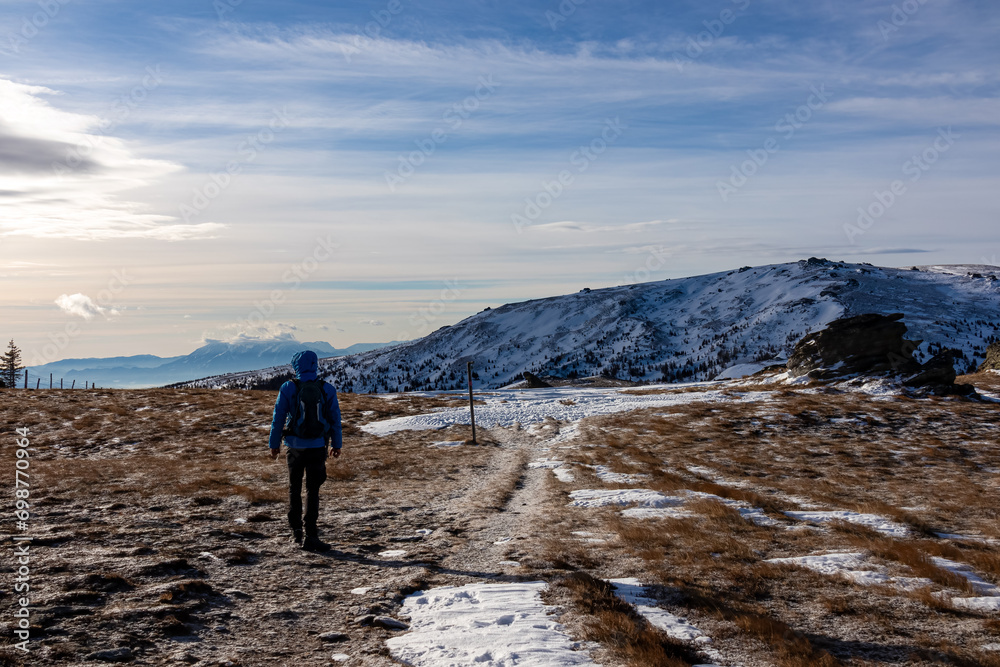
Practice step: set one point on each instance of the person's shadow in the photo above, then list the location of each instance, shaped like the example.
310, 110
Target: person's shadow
362, 559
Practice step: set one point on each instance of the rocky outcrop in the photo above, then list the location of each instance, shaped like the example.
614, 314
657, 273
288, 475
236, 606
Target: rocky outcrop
873, 345
862, 344
939, 371
532, 381
992, 362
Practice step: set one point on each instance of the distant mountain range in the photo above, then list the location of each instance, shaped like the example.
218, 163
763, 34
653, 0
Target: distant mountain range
213, 358
677, 330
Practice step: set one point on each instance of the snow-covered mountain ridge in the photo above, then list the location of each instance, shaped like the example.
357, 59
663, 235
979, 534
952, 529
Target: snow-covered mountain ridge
211, 359
680, 329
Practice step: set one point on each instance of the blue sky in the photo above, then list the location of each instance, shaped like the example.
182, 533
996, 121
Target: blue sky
371, 171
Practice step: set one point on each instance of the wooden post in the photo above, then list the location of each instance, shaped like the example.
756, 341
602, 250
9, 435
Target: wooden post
472, 407
25, 378
38, 383
73, 386
50, 380
60, 383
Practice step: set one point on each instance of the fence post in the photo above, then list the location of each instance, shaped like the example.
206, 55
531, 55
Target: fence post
472, 407
25, 378
38, 383
72, 386
50, 380
60, 383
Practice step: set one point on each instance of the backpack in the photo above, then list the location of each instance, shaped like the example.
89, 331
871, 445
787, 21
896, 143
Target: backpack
308, 417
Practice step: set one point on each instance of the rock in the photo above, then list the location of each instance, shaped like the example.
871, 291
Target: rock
873, 344
123, 654
864, 344
389, 623
236, 593
110, 583
64, 611
169, 568
532, 381
992, 362
333, 637
940, 370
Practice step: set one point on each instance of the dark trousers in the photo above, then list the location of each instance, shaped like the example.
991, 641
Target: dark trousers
312, 462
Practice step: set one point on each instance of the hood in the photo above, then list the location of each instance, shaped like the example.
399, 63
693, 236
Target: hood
305, 364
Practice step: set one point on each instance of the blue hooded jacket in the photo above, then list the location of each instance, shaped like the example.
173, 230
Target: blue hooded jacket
305, 364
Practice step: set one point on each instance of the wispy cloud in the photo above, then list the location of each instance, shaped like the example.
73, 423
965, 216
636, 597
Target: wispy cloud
626, 228
238, 333
83, 306
62, 178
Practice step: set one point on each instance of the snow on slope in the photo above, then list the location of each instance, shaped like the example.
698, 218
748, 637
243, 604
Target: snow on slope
677, 330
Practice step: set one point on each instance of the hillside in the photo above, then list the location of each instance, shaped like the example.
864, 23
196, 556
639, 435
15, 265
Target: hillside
676, 330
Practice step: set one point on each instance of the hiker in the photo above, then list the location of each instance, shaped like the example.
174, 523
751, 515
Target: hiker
310, 408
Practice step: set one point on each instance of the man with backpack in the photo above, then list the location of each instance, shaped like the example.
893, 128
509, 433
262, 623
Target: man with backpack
307, 415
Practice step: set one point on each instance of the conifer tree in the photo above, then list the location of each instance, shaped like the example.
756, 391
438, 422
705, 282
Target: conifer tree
10, 365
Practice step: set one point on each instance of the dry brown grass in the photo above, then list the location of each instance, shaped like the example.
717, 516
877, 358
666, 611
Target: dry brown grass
617, 626
989, 381
946, 653
790, 647
916, 555
923, 463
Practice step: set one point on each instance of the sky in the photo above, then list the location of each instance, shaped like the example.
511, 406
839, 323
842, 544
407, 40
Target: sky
172, 173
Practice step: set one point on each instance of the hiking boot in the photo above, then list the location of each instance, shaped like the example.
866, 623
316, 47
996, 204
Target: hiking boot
313, 543
297, 537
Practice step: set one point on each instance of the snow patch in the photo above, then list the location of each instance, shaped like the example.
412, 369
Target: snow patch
633, 592
966, 538
979, 584
546, 463
653, 504
873, 521
742, 370
657, 513
505, 408
605, 474
604, 497
448, 443
854, 566
981, 604
495, 625
563, 474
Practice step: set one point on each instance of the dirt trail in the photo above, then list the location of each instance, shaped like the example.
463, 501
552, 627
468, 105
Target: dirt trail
493, 546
